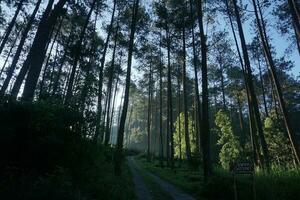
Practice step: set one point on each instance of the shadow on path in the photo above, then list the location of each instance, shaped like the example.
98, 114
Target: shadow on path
143, 193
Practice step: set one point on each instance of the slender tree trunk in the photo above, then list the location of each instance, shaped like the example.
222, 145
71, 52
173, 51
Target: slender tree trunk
295, 13
198, 104
205, 132
119, 147
113, 106
251, 87
128, 130
42, 83
161, 114
223, 87
185, 106
10, 26
115, 93
170, 142
149, 114
20, 47
267, 52
241, 119
120, 107
100, 83
62, 62
7, 57
251, 117
179, 118
263, 88
109, 86
78, 54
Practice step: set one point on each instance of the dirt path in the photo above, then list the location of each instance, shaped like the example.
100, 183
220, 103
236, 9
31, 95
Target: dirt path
142, 191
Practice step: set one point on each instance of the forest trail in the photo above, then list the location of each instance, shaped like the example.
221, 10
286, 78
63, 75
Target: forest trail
142, 191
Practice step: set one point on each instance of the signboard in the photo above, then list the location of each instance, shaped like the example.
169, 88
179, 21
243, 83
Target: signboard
243, 168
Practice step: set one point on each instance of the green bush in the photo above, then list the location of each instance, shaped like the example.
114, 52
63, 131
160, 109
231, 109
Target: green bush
46, 155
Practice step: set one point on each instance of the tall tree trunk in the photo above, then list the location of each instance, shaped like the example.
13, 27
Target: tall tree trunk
120, 107
205, 132
62, 62
7, 57
198, 104
161, 113
100, 83
179, 117
20, 47
185, 102
251, 117
109, 88
249, 80
10, 26
263, 88
115, 93
119, 147
38, 50
270, 61
149, 114
170, 142
128, 126
42, 83
26, 64
113, 106
78, 54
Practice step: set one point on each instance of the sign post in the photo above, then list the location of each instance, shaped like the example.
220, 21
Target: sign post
242, 168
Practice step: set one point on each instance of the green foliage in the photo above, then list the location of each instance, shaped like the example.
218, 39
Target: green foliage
278, 184
278, 144
46, 155
230, 147
179, 139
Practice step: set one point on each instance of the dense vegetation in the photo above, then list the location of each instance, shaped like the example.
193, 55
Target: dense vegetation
196, 86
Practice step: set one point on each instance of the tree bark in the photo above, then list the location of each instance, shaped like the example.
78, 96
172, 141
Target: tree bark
198, 104
251, 117
19, 49
263, 88
26, 64
185, 102
48, 59
119, 147
179, 117
100, 83
38, 50
170, 142
62, 62
249, 81
161, 113
205, 132
149, 114
271, 65
109, 86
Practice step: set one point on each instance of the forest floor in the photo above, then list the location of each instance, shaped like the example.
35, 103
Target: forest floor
151, 187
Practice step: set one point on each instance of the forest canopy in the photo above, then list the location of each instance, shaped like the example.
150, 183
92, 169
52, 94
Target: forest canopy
196, 83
